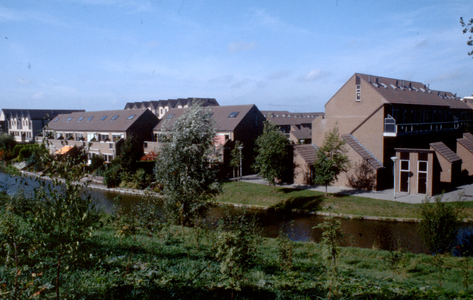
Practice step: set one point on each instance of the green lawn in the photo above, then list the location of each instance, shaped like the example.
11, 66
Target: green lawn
289, 198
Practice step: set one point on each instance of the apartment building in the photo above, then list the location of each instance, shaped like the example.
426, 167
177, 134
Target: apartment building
26, 124
296, 126
233, 123
100, 132
406, 131
161, 107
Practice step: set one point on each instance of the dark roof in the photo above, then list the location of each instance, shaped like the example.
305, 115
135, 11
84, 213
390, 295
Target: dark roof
287, 118
301, 134
120, 123
361, 150
446, 152
307, 152
467, 143
37, 114
220, 114
398, 91
172, 103
468, 136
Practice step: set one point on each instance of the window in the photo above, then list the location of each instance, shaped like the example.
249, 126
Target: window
233, 115
404, 172
80, 119
103, 137
170, 116
130, 117
68, 119
57, 119
79, 137
358, 92
422, 171
114, 118
103, 118
90, 118
69, 136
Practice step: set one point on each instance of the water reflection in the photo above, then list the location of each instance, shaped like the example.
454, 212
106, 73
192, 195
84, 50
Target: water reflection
299, 227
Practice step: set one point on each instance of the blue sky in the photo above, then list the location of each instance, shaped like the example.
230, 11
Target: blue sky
279, 55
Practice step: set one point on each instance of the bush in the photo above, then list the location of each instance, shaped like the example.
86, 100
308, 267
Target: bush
111, 177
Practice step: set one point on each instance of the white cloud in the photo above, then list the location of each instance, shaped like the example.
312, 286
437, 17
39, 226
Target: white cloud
241, 46
313, 75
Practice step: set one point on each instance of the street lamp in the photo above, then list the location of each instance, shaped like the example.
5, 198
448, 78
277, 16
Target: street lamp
394, 159
239, 148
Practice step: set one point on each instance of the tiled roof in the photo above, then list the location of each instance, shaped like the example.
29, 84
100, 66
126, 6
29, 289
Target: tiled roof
468, 136
220, 114
446, 152
361, 150
172, 103
116, 120
304, 133
467, 143
287, 118
37, 114
397, 91
307, 152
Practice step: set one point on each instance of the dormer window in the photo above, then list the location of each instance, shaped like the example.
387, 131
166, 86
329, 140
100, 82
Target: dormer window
170, 116
358, 92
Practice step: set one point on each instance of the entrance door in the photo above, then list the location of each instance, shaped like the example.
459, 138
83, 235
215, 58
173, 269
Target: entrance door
404, 176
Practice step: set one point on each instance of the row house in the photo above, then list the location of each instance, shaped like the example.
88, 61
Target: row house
404, 130
100, 132
161, 107
26, 124
296, 126
233, 123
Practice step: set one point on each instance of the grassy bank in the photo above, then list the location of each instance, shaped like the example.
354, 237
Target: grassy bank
180, 263
289, 198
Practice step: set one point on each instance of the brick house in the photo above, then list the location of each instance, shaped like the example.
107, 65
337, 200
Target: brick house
26, 124
377, 115
100, 132
161, 107
296, 126
242, 123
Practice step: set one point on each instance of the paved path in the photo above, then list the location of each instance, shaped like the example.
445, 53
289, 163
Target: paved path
388, 194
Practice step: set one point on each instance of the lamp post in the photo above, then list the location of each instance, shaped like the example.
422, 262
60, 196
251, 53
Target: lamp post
394, 159
239, 148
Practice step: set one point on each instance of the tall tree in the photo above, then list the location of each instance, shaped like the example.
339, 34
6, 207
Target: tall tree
331, 159
270, 162
468, 28
183, 167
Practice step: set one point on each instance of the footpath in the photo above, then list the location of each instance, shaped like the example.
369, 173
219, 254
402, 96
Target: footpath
465, 190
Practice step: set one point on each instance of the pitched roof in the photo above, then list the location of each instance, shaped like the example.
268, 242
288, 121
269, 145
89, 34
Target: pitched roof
468, 136
398, 91
304, 133
307, 152
361, 150
467, 143
35, 114
287, 118
115, 120
220, 114
172, 103
446, 152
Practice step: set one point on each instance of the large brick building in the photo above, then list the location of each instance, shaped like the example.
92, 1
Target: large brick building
381, 118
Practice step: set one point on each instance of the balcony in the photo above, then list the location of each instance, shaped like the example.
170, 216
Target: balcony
393, 129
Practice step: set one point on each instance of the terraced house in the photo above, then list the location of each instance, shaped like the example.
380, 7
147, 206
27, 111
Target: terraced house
100, 132
404, 130
161, 107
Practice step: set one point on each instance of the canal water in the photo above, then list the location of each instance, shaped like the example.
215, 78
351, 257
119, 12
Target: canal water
299, 227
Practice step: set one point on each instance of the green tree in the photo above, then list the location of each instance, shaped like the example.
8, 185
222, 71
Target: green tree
270, 161
468, 28
331, 159
440, 222
183, 169
7, 143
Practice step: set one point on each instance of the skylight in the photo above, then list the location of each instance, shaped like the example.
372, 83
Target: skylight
170, 116
57, 119
90, 118
130, 117
114, 117
383, 85
68, 119
393, 86
80, 119
233, 114
103, 118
